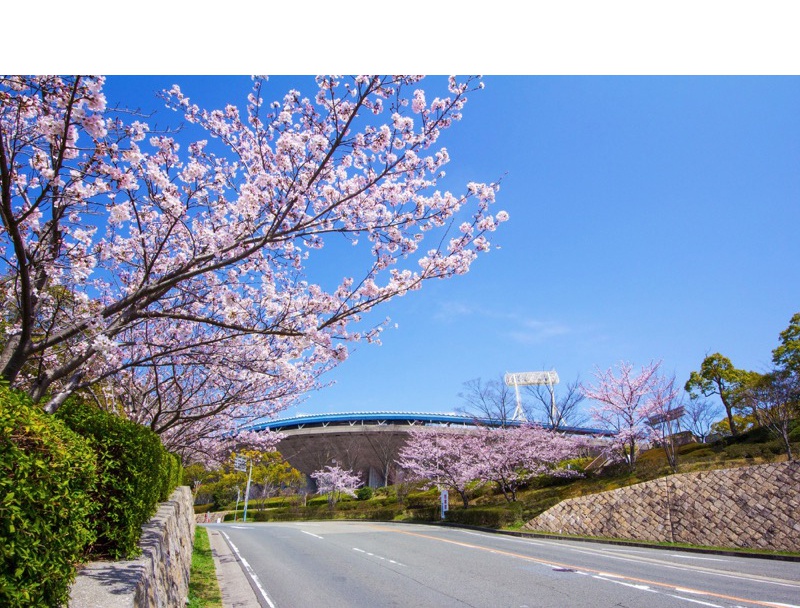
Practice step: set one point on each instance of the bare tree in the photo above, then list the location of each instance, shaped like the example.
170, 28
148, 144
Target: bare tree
567, 410
699, 415
667, 409
492, 400
385, 447
776, 402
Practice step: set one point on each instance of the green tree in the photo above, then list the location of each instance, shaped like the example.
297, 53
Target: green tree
271, 475
718, 376
787, 355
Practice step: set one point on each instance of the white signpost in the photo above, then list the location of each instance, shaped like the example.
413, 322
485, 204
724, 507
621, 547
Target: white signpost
445, 498
240, 464
528, 378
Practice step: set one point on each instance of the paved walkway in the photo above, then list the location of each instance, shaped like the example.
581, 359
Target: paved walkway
233, 583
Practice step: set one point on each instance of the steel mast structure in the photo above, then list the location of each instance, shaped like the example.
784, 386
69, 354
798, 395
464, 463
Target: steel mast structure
518, 379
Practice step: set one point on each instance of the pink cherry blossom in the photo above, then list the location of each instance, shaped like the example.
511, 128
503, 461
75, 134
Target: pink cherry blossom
625, 400
176, 280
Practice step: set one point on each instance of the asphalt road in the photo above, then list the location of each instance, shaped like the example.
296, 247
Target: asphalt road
366, 564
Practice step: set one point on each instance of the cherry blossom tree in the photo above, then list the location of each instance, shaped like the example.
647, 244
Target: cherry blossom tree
441, 458
335, 481
625, 400
179, 278
512, 456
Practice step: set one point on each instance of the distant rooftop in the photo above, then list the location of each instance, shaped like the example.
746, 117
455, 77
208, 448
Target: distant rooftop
395, 418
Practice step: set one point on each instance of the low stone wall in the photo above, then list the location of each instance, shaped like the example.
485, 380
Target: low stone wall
754, 507
159, 577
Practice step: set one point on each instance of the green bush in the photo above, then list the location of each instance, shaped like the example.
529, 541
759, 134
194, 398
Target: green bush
421, 500
486, 517
364, 493
130, 462
383, 514
703, 453
691, 448
425, 513
319, 500
47, 474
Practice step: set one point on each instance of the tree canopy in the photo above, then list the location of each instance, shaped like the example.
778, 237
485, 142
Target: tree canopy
177, 279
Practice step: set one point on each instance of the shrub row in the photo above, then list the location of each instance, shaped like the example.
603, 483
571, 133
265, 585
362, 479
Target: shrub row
379, 514
486, 517
77, 484
135, 472
47, 478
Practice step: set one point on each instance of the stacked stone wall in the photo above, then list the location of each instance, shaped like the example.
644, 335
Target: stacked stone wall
159, 578
755, 507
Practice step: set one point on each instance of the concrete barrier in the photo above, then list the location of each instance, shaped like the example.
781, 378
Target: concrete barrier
158, 578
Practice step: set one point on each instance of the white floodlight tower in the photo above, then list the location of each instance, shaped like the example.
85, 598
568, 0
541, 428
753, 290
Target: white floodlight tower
527, 378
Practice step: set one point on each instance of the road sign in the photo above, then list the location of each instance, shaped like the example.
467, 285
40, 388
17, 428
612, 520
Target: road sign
445, 502
667, 416
240, 464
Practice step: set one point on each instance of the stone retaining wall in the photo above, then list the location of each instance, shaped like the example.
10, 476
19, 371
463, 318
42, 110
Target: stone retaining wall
159, 577
750, 507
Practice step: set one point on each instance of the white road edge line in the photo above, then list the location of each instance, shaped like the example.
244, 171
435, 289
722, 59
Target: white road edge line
707, 559
250, 572
311, 534
633, 586
385, 559
686, 599
688, 567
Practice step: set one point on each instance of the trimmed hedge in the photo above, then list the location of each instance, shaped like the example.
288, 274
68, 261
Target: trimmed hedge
47, 475
286, 514
135, 472
486, 517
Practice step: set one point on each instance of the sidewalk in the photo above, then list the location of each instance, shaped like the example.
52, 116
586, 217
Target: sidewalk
233, 583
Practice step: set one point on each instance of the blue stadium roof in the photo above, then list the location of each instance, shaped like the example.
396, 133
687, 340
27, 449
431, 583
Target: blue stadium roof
409, 418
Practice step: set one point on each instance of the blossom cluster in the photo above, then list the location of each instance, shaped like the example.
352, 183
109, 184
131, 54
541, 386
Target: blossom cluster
625, 401
508, 456
175, 278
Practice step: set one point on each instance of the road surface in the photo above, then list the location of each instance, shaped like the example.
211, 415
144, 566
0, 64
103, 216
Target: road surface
368, 564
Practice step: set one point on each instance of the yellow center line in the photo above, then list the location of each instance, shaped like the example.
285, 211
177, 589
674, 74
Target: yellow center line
600, 572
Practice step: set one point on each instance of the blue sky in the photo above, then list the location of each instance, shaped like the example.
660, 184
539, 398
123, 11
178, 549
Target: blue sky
652, 218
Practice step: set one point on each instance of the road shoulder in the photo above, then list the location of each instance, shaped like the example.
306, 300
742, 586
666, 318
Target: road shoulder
233, 582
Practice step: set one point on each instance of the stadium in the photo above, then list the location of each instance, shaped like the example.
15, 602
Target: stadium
368, 442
